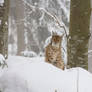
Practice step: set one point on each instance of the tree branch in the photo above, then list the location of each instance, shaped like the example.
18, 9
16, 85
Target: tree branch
51, 15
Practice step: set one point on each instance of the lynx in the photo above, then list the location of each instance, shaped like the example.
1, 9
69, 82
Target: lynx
53, 52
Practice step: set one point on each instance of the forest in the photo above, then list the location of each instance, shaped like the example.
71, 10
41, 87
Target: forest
45, 45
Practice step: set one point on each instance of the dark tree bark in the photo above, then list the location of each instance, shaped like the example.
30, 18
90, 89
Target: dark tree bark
79, 33
4, 12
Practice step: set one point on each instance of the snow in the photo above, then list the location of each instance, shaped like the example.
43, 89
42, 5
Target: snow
39, 14
34, 75
27, 53
2, 59
90, 53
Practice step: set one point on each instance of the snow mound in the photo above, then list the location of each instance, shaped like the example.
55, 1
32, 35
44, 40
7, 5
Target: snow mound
28, 53
34, 75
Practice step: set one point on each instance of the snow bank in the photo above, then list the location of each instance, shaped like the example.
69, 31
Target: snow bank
34, 75
28, 53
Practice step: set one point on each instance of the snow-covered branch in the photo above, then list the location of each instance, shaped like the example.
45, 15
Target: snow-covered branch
54, 17
77, 80
90, 53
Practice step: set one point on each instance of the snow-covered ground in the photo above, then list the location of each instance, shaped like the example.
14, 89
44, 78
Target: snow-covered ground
34, 75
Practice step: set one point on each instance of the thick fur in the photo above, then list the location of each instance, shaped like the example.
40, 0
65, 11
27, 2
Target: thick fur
53, 52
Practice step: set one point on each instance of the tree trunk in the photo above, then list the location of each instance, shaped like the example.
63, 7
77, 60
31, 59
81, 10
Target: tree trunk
4, 12
90, 44
79, 33
20, 26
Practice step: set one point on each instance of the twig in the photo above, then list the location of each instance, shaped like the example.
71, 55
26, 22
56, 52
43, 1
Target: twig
62, 26
89, 53
51, 15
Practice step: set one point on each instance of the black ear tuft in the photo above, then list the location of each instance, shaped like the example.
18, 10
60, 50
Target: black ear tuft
54, 33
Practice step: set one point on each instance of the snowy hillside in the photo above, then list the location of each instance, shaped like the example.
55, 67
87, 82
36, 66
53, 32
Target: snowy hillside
34, 75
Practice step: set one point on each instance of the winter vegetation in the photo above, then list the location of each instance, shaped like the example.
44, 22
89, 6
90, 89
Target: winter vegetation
26, 29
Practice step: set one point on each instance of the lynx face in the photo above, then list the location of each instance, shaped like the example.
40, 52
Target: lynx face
56, 41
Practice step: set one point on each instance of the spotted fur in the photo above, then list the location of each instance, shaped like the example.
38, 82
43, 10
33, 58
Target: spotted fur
53, 53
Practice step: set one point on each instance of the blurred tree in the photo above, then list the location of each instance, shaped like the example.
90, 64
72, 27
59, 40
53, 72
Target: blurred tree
4, 12
20, 26
79, 33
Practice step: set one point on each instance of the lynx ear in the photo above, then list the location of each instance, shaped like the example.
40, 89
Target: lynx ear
54, 33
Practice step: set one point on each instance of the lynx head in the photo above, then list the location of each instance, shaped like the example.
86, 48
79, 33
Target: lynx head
56, 40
